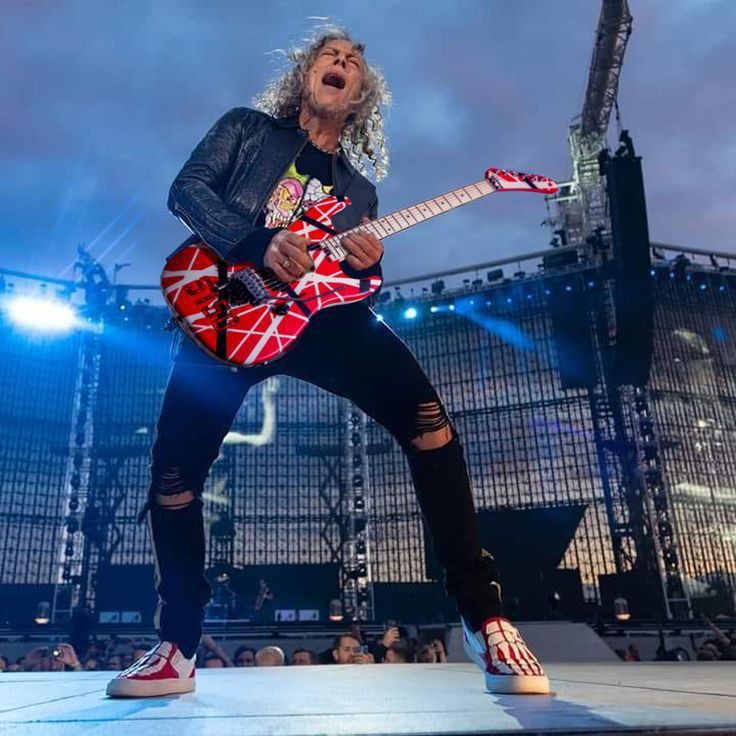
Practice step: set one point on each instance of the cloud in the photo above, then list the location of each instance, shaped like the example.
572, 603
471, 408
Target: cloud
105, 102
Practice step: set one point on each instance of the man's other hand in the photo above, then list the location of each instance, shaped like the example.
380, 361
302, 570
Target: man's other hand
364, 248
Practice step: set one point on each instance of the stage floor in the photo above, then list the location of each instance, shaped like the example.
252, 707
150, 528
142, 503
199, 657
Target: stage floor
693, 697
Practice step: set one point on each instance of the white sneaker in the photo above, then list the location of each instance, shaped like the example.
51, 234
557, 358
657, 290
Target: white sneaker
506, 661
163, 670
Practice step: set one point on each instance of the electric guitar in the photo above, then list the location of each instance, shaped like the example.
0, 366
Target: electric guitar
243, 315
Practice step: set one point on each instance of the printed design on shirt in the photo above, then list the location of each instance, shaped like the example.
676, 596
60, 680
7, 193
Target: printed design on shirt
293, 195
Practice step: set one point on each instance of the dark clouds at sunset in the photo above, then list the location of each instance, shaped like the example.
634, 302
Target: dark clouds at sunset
102, 103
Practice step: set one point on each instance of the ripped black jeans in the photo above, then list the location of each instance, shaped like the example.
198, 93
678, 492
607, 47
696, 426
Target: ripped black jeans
348, 352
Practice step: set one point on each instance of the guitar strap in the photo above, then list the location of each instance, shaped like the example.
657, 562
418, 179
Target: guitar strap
221, 345
319, 225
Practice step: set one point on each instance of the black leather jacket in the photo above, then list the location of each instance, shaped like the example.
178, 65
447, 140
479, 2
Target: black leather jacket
226, 181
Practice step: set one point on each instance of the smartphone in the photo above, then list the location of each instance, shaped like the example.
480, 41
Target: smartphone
55, 652
364, 649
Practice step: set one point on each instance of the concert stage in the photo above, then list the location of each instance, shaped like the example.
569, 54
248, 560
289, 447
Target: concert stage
382, 699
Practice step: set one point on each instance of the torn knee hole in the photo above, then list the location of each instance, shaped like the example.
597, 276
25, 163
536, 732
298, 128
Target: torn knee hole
433, 426
171, 493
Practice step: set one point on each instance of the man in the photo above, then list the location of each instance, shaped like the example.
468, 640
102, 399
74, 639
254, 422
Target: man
319, 130
346, 649
244, 657
270, 657
303, 657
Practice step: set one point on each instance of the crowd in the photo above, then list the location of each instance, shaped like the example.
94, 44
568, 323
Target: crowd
718, 646
347, 648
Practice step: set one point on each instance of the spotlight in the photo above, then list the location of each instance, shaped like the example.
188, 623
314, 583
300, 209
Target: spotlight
379, 317
43, 613
495, 275
42, 315
621, 608
335, 610
410, 313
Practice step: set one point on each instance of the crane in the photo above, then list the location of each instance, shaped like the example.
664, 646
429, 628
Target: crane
581, 202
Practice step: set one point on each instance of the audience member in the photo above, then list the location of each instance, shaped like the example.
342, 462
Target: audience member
244, 656
398, 654
113, 663
304, 657
209, 646
348, 649
213, 660
427, 655
270, 657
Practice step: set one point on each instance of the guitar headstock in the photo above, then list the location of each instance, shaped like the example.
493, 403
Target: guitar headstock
518, 181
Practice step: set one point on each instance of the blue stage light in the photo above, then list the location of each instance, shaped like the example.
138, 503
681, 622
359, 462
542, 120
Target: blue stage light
451, 307
42, 315
433, 309
410, 313
568, 287
379, 317
703, 287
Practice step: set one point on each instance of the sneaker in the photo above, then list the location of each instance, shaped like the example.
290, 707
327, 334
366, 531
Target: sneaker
505, 659
163, 670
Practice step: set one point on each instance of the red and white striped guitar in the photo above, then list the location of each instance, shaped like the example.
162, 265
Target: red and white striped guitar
243, 315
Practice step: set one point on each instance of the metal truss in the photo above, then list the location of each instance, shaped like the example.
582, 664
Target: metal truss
657, 504
357, 585
70, 584
581, 203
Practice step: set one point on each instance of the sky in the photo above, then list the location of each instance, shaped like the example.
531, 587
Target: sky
104, 101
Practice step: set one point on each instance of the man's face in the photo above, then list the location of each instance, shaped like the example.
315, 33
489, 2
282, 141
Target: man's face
335, 80
346, 650
301, 658
245, 659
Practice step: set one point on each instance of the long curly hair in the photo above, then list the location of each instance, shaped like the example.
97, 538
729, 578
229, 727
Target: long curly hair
362, 136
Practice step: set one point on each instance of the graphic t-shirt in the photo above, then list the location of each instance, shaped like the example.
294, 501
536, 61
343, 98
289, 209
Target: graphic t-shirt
307, 180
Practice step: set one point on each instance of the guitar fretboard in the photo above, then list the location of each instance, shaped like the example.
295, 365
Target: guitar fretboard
401, 220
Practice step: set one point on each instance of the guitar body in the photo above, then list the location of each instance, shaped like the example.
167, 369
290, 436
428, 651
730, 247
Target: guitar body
241, 314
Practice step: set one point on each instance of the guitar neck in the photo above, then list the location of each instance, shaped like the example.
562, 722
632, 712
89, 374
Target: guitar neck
401, 220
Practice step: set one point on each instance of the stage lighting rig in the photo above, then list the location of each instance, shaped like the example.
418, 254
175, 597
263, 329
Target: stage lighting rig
495, 275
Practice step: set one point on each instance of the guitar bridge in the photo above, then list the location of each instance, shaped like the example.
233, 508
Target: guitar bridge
244, 287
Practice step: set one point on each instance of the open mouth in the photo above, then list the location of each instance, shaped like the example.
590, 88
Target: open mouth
333, 79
